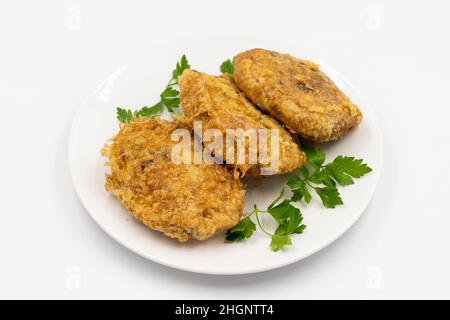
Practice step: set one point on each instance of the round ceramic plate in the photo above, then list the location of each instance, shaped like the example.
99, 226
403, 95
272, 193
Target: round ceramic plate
138, 83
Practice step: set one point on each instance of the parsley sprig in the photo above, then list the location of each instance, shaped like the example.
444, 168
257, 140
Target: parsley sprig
227, 67
169, 98
314, 176
288, 217
324, 179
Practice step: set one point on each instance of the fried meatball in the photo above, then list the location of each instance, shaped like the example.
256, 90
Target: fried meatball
297, 93
181, 200
218, 103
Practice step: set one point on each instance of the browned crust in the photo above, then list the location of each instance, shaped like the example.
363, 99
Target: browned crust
218, 103
181, 200
297, 93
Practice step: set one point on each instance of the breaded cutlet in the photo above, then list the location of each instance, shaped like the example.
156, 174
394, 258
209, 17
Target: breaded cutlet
297, 93
181, 200
218, 104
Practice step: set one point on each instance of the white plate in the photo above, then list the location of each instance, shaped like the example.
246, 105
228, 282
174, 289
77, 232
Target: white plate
139, 83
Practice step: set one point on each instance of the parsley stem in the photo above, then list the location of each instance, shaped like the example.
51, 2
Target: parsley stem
309, 184
260, 225
250, 214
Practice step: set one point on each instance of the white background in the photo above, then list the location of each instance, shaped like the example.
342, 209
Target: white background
55, 52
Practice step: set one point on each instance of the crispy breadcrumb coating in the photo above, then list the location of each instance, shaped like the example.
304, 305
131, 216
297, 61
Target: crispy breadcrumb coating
297, 93
218, 103
181, 200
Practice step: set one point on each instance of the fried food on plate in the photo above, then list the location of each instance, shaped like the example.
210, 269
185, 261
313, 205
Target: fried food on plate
297, 93
218, 103
181, 200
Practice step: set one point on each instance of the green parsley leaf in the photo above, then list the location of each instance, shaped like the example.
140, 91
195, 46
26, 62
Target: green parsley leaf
182, 65
124, 115
227, 67
342, 169
283, 211
150, 112
169, 92
279, 241
291, 225
243, 230
330, 196
299, 189
170, 98
304, 171
300, 229
314, 156
322, 176
171, 103
289, 220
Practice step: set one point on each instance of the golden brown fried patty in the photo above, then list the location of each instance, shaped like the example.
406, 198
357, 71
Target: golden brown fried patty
218, 103
181, 200
295, 92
